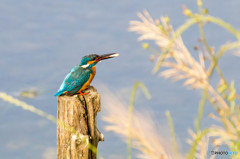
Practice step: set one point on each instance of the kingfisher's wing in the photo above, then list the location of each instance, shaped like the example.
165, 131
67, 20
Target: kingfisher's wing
74, 80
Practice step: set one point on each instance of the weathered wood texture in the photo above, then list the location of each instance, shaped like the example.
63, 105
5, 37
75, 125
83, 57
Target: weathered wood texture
77, 119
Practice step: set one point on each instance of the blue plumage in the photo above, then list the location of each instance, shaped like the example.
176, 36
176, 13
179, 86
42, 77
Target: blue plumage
74, 80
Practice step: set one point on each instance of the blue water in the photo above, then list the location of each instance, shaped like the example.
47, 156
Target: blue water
42, 40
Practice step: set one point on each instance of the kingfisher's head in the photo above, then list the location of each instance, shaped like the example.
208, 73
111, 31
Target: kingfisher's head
91, 60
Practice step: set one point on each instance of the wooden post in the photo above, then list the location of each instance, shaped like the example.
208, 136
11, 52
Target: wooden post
77, 126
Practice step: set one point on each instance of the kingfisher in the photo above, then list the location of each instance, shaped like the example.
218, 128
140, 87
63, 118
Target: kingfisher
82, 75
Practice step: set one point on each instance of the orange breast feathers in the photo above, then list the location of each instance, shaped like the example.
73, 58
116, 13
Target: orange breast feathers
85, 85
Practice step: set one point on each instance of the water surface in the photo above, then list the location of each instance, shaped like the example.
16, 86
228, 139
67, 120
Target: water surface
42, 40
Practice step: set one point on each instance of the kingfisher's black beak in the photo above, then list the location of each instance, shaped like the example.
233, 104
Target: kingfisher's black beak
107, 56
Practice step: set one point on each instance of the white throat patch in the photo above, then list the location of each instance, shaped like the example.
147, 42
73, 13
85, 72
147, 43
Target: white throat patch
85, 66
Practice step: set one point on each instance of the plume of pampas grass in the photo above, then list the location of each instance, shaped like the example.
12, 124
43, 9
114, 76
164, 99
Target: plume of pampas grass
179, 62
144, 134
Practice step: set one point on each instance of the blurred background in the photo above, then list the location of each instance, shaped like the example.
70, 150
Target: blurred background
42, 40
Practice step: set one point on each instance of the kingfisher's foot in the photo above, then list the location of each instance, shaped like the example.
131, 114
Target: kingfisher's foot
81, 93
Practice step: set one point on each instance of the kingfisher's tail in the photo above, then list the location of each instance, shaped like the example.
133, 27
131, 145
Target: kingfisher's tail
59, 92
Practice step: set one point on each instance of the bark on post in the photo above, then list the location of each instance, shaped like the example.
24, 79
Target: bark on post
77, 124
